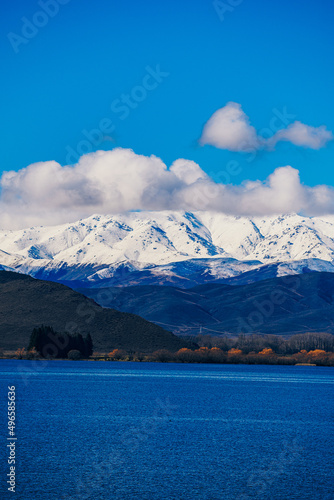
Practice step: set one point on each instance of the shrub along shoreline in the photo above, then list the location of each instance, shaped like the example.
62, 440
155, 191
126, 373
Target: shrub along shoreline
317, 357
216, 355
312, 349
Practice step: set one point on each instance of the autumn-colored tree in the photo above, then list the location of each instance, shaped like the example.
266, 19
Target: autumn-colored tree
200, 355
301, 356
316, 353
186, 355
216, 355
20, 353
267, 352
117, 354
162, 355
234, 352
317, 356
311, 341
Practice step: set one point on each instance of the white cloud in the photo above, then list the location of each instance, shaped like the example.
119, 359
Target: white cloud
303, 135
229, 128
114, 181
187, 171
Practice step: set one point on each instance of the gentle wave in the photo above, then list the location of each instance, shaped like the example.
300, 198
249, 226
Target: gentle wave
309, 379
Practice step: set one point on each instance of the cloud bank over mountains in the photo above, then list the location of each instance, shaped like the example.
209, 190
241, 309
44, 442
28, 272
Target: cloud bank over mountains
229, 128
111, 182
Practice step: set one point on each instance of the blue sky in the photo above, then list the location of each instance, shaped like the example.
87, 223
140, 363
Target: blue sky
267, 56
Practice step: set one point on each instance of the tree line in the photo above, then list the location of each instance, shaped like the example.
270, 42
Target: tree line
280, 345
51, 344
309, 348
233, 356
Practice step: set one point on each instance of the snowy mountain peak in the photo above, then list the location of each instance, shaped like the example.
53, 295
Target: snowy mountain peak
146, 239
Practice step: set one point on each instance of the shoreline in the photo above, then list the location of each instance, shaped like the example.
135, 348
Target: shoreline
229, 362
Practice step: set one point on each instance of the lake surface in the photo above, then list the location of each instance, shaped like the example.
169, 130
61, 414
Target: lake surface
154, 431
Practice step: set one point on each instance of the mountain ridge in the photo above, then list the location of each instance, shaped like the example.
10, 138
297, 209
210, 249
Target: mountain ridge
282, 306
160, 247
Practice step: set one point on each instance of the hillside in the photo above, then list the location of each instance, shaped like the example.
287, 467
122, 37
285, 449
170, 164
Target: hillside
26, 303
281, 306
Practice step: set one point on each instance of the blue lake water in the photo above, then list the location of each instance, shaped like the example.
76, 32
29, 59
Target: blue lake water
154, 431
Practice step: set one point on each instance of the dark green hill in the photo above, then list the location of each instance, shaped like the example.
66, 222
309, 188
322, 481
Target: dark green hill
26, 303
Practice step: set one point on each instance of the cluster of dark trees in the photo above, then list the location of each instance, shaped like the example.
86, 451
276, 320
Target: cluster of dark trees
280, 345
51, 344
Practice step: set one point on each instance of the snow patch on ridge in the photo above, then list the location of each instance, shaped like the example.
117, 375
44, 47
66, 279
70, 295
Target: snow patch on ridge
170, 244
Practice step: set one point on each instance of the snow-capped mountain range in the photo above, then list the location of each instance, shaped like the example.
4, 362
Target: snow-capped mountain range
170, 248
